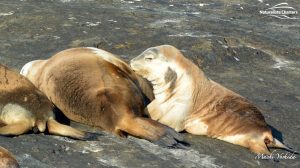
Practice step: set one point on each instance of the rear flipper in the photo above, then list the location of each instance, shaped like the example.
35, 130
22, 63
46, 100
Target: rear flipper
262, 145
17, 128
277, 144
153, 131
56, 128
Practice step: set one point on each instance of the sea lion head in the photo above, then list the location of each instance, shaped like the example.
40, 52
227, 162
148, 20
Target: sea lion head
156, 62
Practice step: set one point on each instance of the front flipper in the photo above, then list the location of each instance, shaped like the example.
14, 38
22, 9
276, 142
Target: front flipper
151, 130
167, 140
56, 128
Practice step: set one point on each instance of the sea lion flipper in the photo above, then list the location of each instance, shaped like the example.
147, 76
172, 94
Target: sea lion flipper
15, 128
172, 139
90, 136
277, 144
152, 130
55, 127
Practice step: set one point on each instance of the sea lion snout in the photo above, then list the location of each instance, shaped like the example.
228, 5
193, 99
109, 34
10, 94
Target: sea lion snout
133, 63
136, 65
137, 62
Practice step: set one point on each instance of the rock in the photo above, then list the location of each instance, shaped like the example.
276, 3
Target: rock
253, 54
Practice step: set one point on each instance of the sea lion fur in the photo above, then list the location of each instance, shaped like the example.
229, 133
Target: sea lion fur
97, 88
23, 108
187, 100
7, 160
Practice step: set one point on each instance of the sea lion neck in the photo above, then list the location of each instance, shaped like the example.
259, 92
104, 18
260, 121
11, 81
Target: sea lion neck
173, 96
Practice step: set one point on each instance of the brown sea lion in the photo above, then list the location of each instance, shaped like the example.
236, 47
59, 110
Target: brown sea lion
7, 160
94, 87
185, 99
23, 107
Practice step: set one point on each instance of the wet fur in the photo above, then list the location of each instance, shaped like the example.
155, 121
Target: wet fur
94, 87
208, 108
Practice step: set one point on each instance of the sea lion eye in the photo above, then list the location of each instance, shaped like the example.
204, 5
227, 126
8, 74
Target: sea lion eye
148, 58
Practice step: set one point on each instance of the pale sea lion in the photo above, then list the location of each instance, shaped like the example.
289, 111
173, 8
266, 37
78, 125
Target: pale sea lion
23, 107
185, 99
7, 160
94, 87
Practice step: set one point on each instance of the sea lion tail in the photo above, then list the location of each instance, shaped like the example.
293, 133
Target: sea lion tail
56, 128
153, 131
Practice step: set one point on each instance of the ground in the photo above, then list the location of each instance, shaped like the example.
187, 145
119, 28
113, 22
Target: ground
256, 55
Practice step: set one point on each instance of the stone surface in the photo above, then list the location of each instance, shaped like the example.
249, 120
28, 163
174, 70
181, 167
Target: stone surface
255, 55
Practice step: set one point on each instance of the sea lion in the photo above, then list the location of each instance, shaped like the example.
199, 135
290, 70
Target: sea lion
185, 99
7, 160
97, 88
23, 107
